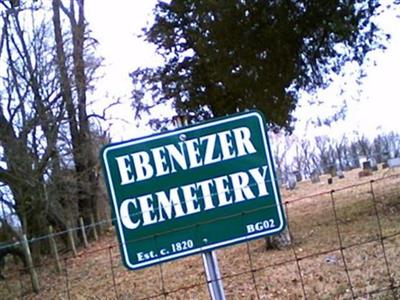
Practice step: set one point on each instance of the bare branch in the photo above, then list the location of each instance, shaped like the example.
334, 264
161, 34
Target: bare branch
94, 115
64, 9
7, 202
5, 176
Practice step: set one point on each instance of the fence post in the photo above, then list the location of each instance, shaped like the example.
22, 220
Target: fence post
29, 262
54, 250
95, 235
85, 241
381, 239
67, 278
112, 271
71, 240
346, 269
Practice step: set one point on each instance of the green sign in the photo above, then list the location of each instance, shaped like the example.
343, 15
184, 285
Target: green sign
194, 189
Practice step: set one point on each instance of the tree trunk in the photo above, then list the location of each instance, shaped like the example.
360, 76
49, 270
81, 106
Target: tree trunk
87, 201
279, 241
83, 155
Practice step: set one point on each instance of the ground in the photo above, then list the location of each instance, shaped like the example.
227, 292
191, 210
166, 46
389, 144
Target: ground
346, 243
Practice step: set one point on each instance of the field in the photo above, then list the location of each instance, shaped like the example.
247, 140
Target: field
345, 245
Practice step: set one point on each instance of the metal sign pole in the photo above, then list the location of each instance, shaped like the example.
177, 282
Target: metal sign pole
210, 262
214, 280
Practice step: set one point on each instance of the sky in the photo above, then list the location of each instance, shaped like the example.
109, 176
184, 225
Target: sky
116, 27
373, 107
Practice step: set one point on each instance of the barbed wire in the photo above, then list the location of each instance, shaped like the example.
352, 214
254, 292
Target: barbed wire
135, 214
296, 257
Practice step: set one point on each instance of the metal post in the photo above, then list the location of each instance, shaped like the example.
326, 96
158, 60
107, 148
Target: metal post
29, 262
210, 262
54, 250
214, 281
85, 241
95, 235
71, 240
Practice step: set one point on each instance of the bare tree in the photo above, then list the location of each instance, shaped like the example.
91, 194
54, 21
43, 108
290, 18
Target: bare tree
393, 142
73, 90
322, 143
343, 153
39, 91
30, 114
363, 145
310, 163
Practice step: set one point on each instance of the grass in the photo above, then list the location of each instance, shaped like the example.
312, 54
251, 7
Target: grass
336, 252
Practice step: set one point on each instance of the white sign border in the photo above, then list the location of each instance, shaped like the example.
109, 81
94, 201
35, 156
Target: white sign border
157, 260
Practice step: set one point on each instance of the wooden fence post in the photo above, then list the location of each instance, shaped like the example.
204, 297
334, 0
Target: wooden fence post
54, 250
95, 235
29, 262
85, 241
71, 240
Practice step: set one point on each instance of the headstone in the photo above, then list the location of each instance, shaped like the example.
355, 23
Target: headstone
330, 180
332, 170
366, 165
314, 176
374, 164
340, 174
298, 176
394, 162
385, 156
291, 182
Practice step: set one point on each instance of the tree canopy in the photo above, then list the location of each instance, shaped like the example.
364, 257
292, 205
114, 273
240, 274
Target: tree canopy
221, 57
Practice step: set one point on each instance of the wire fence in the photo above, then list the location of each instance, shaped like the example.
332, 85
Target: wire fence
345, 245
